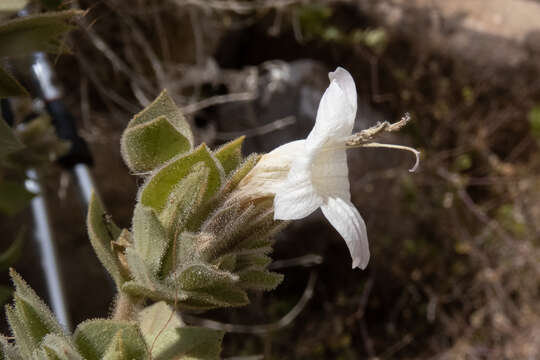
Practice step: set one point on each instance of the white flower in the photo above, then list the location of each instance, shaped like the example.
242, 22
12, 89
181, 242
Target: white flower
305, 175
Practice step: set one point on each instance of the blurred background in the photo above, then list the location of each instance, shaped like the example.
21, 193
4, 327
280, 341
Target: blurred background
455, 265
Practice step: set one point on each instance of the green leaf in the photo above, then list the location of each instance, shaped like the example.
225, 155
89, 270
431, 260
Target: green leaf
164, 105
230, 155
14, 197
158, 188
150, 240
25, 343
141, 272
13, 252
260, 280
9, 86
116, 350
8, 140
93, 338
102, 231
59, 348
194, 343
43, 32
165, 333
146, 146
38, 314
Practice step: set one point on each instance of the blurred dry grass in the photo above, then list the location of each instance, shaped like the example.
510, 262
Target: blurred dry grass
455, 270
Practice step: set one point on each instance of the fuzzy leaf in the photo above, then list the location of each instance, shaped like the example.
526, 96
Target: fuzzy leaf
230, 155
8, 140
93, 338
59, 348
194, 343
148, 145
36, 318
163, 105
9, 86
116, 350
13, 252
25, 343
14, 197
159, 187
102, 231
260, 280
165, 333
149, 237
141, 272
43, 32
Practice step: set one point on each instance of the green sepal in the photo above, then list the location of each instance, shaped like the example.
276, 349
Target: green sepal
25, 343
150, 240
147, 146
260, 279
185, 197
230, 155
209, 286
226, 262
186, 250
9, 142
42, 32
14, 197
93, 338
102, 232
9, 86
58, 348
163, 105
160, 185
204, 211
254, 261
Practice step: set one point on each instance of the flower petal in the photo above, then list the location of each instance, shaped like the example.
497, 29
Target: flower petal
347, 221
346, 83
330, 174
336, 113
296, 199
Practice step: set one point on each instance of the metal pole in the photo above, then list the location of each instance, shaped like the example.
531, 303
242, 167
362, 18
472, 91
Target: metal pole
49, 259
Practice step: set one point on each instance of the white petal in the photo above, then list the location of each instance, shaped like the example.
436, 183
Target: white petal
336, 113
296, 199
330, 174
347, 221
346, 83
271, 170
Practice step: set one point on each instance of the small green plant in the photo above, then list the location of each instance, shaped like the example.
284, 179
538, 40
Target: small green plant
201, 232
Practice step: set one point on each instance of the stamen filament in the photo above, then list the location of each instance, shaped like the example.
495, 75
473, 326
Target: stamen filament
393, 146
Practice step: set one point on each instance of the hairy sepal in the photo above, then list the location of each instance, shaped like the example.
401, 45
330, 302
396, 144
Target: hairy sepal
230, 155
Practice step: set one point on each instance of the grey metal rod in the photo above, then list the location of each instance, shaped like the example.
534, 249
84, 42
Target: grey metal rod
49, 259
